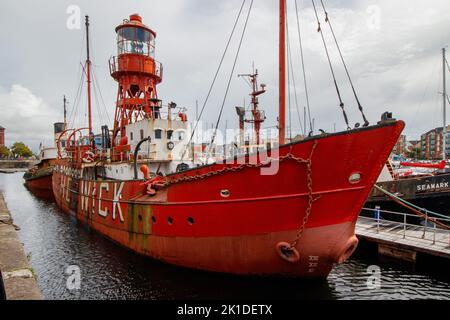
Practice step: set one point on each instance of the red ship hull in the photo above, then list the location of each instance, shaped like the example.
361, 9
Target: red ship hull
230, 218
41, 187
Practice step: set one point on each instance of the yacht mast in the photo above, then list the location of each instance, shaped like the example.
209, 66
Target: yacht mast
444, 99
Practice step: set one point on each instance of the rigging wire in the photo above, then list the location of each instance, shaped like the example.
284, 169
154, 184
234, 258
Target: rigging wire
360, 107
342, 105
97, 86
290, 75
425, 92
231, 75
96, 98
74, 114
78, 93
302, 129
303, 68
215, 78
289, 67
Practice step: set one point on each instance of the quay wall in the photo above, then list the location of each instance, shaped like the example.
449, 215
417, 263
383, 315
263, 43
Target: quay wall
17, 280
17, 164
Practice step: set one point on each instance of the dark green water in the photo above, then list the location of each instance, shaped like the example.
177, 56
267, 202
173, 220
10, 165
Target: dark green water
55, 241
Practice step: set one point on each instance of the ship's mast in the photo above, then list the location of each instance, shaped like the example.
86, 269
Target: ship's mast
88, 71
444, 96
282, 74
65, 113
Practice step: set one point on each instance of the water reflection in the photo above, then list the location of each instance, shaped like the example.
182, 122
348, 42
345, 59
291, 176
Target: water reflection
108, 271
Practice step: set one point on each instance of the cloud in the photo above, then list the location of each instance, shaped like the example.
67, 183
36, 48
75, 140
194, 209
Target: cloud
391, 47
26, 117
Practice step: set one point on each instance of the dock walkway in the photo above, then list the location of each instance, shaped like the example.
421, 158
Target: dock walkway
403, 240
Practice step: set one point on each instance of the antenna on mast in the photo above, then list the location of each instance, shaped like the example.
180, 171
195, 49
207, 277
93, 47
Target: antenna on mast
88, 68
65, 113
444, 97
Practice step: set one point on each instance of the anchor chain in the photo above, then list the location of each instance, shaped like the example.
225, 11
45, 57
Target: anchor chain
288, 156
311, 198
288, 251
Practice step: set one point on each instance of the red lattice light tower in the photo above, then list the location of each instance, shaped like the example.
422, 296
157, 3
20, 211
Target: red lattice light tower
137, 73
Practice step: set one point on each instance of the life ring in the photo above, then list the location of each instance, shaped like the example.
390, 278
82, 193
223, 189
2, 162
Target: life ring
183, 116
348, 250
88, 157
170, 145
287, 252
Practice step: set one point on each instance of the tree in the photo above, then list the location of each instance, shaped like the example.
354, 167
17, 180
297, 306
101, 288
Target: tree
19, 149
4, 152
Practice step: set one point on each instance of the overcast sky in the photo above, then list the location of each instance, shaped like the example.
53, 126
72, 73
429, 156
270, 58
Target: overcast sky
392, 48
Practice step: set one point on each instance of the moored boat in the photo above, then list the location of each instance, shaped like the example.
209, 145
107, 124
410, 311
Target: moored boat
274, 213
39, 178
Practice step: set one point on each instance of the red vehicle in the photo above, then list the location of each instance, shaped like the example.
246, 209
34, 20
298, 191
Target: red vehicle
286, 212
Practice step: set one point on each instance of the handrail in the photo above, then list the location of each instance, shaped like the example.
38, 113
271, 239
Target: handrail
114, 66
404, 225
73, 133
59, 140
402, 214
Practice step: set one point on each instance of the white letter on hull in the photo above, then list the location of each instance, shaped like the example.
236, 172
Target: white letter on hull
86, 188
116, 203
101, 212
68, 189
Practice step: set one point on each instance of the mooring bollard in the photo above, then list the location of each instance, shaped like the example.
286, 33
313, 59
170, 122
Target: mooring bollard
425, 225
404, 226
434, 235
377, 216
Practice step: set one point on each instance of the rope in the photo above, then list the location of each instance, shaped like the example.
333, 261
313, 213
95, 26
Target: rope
76, 103
361, 109
342, 106
97, 87
409, 203
215, 78
231, 75
303, 68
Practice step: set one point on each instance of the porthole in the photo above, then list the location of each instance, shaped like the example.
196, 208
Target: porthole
191, 221
140, 217
153, 219
225, 193
355, 178
170, 220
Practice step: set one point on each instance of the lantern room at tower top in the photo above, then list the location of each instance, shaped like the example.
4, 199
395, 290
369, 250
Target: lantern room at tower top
134, 37
137, 74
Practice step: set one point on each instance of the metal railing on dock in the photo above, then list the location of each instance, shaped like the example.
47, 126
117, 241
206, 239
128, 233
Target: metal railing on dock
429, 231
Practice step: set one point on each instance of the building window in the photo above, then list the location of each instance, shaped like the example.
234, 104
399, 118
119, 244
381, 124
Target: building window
142, 134
158, 134
181, 135
169, 134
131, 136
